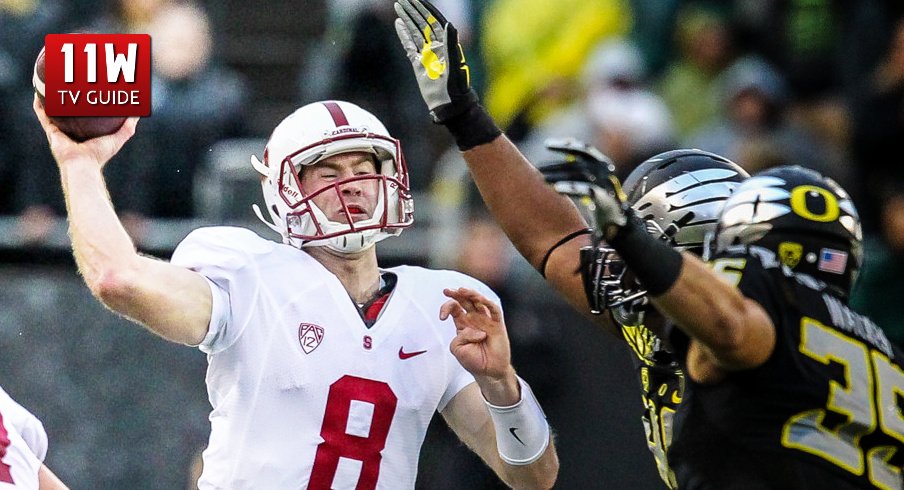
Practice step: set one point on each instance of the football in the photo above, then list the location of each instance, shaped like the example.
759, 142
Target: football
78, 128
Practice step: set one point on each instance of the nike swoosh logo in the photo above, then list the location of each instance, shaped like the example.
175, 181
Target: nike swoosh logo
408, 355
512, 430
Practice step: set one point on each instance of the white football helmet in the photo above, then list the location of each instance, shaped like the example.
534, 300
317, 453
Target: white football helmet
318, 131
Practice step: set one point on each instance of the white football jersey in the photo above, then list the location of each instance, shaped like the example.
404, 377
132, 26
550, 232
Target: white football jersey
23, 445
304, 395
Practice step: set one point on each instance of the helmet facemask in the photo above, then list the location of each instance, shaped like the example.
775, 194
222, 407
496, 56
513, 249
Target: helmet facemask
308, 223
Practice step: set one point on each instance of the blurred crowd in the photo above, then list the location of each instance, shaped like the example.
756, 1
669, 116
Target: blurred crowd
818, 83
196, 102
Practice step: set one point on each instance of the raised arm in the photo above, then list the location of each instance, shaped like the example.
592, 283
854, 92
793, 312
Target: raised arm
533, 215
545, 227
171, 301
728, 331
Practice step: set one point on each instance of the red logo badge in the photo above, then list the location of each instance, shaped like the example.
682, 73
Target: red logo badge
97, 75
309, 336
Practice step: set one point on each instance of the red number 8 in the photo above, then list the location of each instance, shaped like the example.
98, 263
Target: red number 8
337, 442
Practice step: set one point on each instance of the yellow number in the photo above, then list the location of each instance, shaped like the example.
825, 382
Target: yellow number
854, 398
730, 270
659, 437
805, 431
889, 389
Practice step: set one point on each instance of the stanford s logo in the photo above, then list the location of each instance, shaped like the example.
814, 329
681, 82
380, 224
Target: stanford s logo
309, 336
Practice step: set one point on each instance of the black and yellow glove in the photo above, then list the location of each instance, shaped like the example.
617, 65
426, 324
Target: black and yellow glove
656, 266
587, 176
443, 75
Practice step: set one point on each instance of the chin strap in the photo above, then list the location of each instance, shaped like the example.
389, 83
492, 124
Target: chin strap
259, 166
260, 216
265, 171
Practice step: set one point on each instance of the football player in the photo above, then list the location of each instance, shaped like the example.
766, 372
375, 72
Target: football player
787, 386
23, 446
676, 196
679, 194
324, 369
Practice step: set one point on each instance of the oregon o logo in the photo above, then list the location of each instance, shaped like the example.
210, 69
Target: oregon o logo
799, 204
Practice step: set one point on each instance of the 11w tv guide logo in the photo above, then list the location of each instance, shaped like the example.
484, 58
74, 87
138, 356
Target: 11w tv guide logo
97, 74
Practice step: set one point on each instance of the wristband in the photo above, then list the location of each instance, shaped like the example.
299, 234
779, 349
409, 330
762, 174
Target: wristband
474, 127
655, 264
522, 433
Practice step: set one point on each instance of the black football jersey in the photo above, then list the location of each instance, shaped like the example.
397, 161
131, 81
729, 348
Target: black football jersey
662, 387
823, 412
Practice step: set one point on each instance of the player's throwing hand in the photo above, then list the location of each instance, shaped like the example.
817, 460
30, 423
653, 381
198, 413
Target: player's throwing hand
100, 149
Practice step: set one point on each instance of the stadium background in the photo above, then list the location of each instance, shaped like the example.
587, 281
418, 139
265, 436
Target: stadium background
124, 409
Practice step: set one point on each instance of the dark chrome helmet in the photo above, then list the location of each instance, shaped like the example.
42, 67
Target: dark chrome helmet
678, 194
806, 219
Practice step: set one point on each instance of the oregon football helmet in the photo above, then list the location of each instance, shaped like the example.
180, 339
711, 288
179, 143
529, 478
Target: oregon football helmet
806, 219
679, 194
676, 194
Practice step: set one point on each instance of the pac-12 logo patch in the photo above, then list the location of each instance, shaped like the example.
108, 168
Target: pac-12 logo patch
309, 336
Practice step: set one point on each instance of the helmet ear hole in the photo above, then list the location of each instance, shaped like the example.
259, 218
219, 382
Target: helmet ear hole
687, 218
671, 230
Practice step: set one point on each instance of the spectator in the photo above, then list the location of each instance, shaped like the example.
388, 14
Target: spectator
359, 60
689, 83
24, 162
39, 205
127, 16
528, 50
754, 129
879, 289
616, 111
196, 102
654, 29
878, 121
821, 48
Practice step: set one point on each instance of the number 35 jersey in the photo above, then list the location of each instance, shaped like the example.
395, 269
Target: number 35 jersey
823, 412
304, 395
